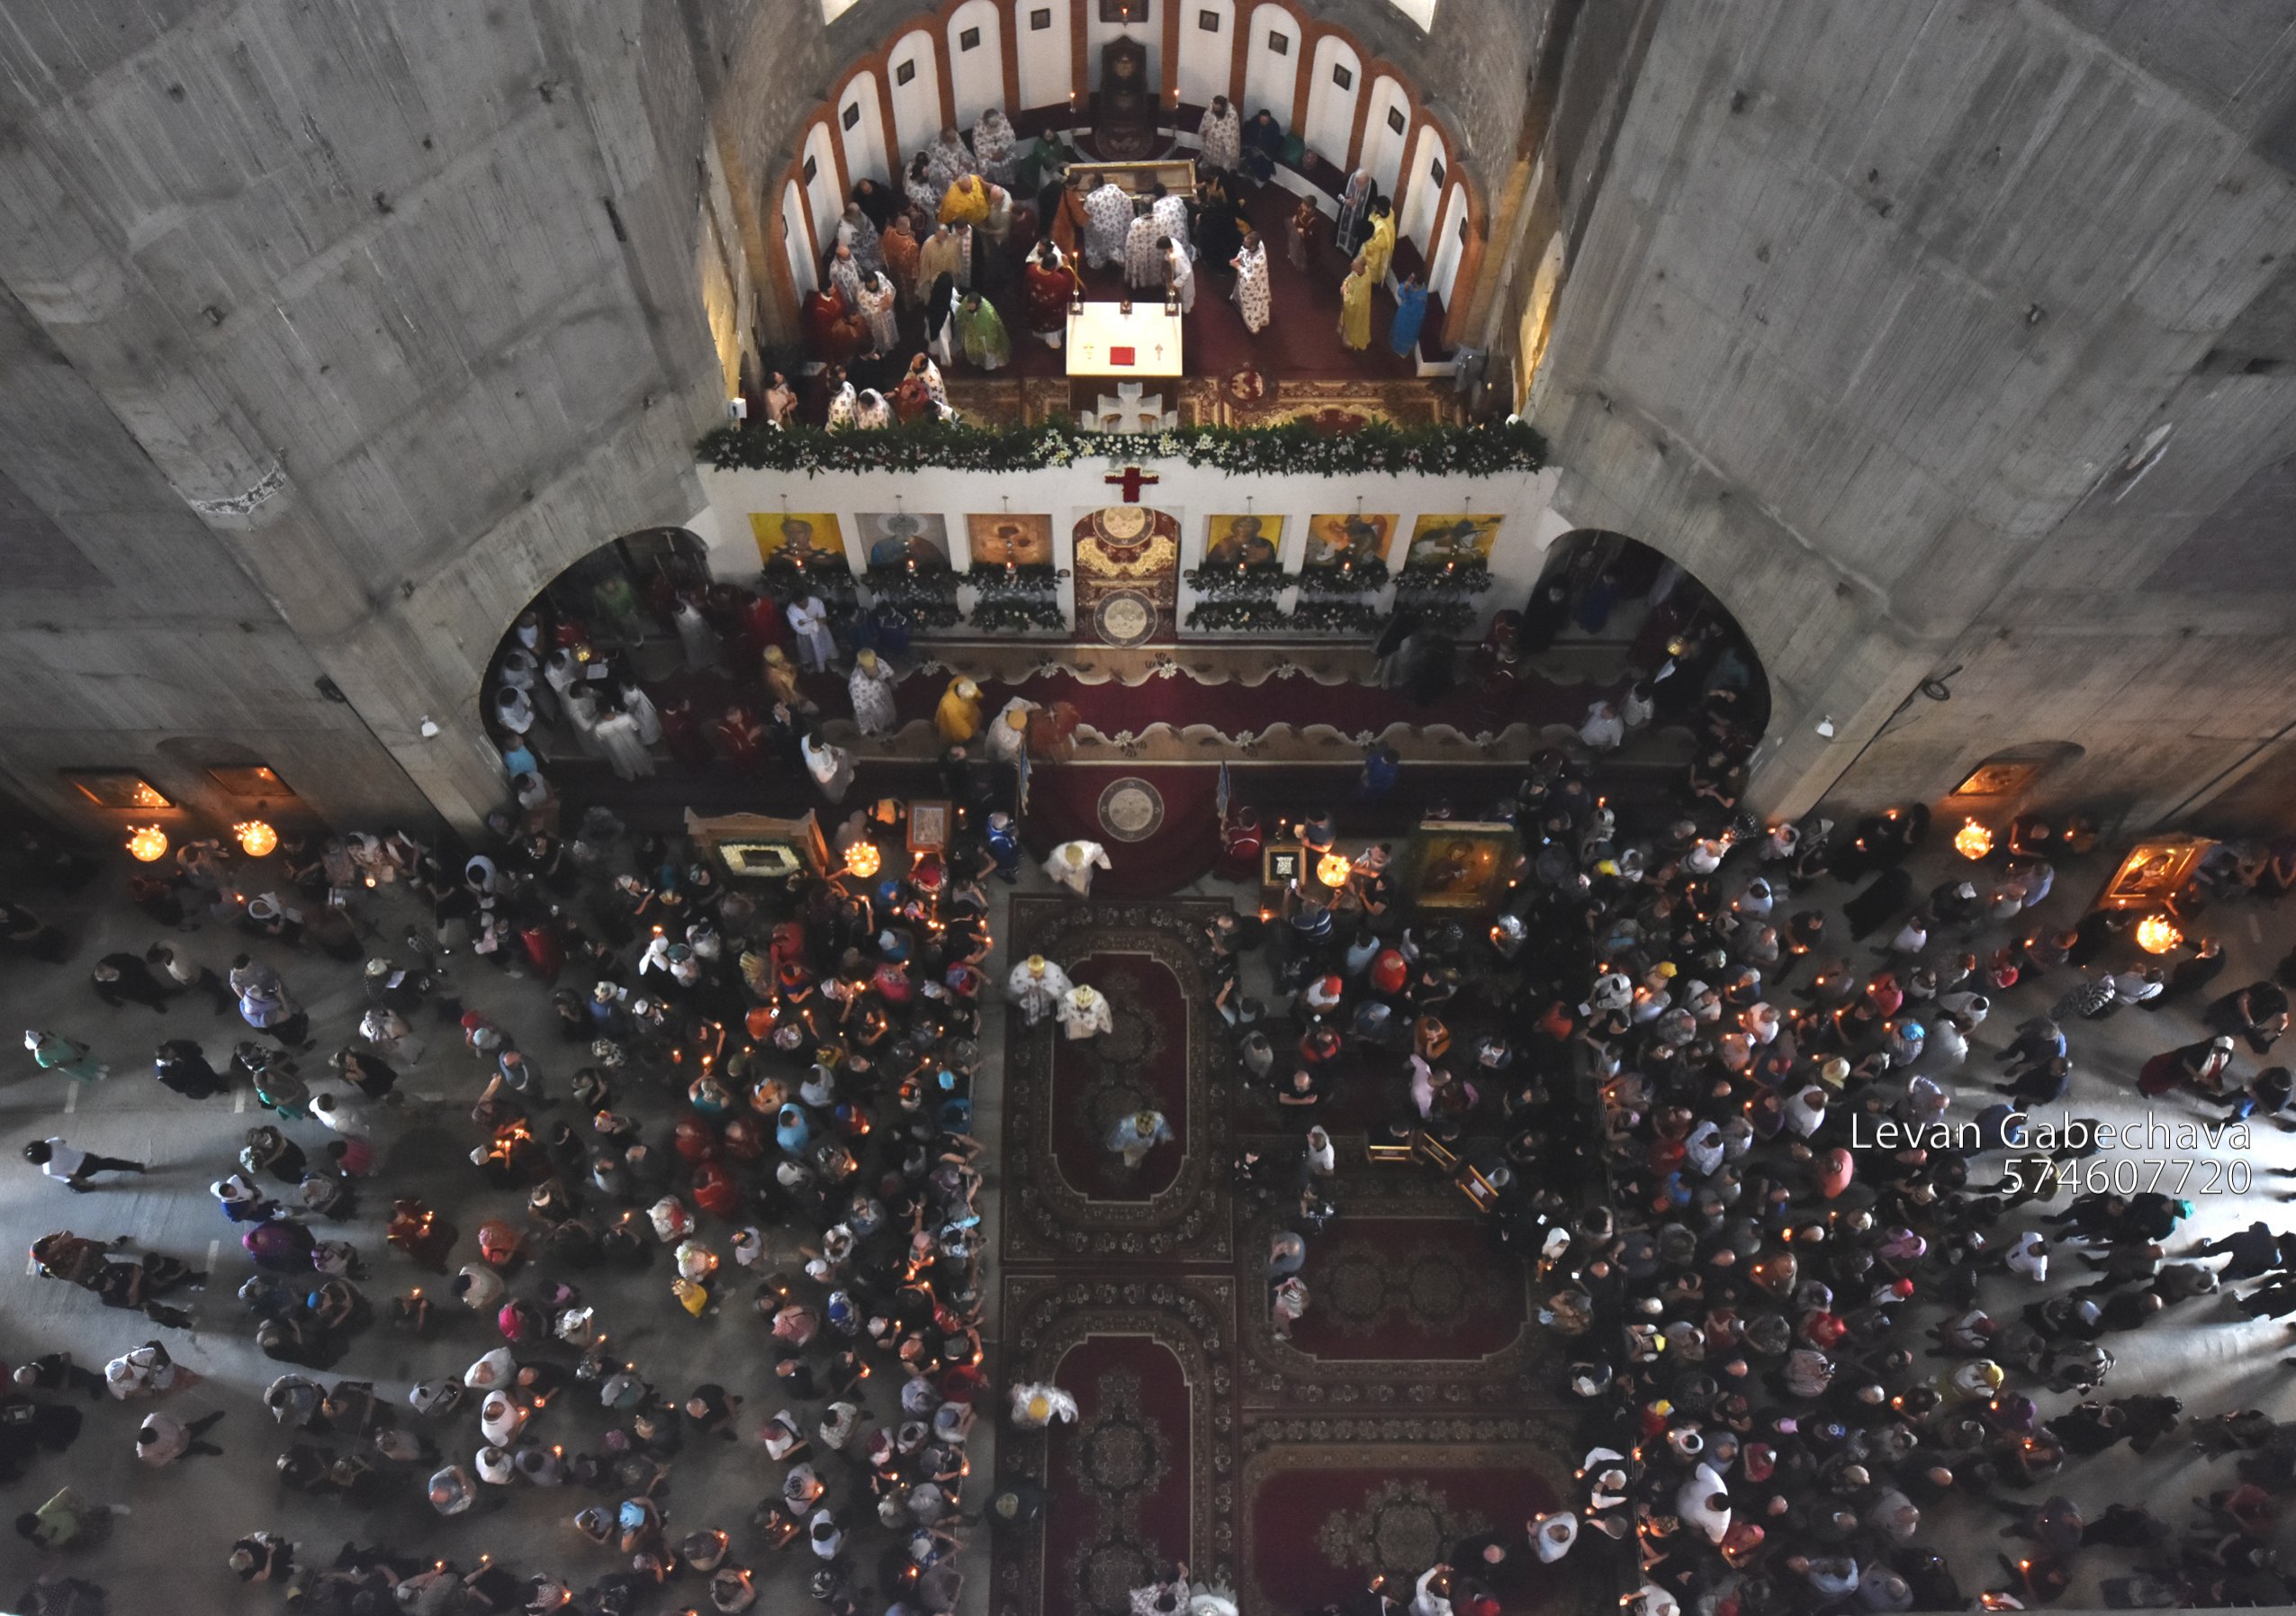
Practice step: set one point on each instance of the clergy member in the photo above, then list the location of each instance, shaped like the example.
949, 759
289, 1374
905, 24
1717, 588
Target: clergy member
1036, 985
1071, 864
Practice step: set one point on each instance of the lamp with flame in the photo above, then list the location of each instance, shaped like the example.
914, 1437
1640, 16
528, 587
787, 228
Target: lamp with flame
257, 839
2157, 934
1333, 870
147, 842
862, 859
1973, 840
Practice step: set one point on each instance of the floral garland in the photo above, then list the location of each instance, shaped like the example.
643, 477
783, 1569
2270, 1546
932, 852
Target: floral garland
1380, 448
1454, 580
1364, 578
927, 597
1017, 615
1261, 583
1334, 617
1240, 616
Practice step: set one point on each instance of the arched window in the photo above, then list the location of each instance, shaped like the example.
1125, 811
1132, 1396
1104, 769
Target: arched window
1421, 11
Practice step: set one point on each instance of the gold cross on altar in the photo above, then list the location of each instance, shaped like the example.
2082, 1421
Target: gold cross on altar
1132, 478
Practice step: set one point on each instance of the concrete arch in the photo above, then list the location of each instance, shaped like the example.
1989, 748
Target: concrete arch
1577, 557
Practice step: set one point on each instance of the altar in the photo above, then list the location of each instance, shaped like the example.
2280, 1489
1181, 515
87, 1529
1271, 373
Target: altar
1103, 340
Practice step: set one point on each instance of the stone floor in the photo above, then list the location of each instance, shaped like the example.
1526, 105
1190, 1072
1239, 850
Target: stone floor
179, 1522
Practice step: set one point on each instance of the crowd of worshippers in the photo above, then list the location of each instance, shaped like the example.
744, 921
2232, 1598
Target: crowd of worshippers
736, 700
979, 227
768, 1084
1689, 1048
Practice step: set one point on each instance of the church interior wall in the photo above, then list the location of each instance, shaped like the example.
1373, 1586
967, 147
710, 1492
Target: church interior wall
1871, 300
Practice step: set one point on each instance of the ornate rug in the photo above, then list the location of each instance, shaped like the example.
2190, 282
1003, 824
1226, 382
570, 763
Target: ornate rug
1413, 1405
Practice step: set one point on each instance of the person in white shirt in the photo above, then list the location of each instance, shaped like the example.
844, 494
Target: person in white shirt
74, 1167
163, 1439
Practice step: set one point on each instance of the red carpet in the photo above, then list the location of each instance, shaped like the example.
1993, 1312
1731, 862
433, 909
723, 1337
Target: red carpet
1120, 1478
1425, 1288
1140, 1065
1302, 340
1320, 1521
1064, 804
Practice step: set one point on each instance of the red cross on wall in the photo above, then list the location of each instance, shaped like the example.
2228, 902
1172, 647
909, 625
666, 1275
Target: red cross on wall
1132, 478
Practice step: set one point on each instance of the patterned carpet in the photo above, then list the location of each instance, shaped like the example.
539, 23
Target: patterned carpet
1412, 1407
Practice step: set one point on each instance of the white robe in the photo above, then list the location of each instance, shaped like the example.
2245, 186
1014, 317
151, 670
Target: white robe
640, 706
871, 688
877, 300
700, 639
1080, 1019
1253, 297
809, 622
1143, 259
1006, 744
1073, 862
1108, 217
1037, 995
831, 767
1184, 277
1220, 140
617, 738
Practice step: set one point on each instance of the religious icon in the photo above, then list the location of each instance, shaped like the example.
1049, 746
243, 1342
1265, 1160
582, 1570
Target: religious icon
2154, 873
1461, 865
1245, 540
1439, 540
896, 540
1334, 542
1020, 540
789, 539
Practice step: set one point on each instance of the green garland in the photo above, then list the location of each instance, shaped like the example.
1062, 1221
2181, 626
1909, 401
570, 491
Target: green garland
1367, 578
1381, 448
1017, 615
927, 597
1240, 617
1261, 583
1454, 581
1334, 617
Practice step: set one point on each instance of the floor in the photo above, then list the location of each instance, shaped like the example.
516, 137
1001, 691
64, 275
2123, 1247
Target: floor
178, 1524
179, 1521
